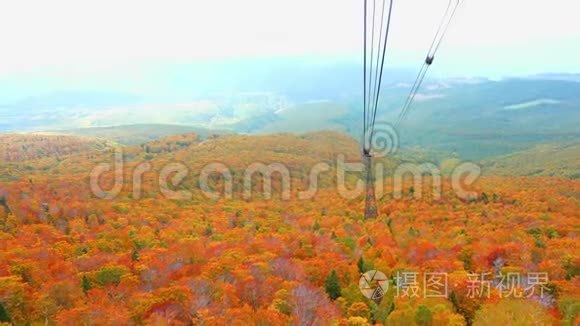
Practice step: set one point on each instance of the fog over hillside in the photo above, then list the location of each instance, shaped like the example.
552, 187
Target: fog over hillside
473, 117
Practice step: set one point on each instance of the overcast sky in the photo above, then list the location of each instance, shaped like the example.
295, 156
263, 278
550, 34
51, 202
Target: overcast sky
488, 37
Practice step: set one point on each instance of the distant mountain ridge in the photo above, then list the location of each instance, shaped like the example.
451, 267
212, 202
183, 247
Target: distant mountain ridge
557, 76
141, 133
475, 118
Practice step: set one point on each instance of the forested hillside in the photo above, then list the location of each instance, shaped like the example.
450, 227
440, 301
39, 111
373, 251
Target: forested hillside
25, 147
544, 160
70, 258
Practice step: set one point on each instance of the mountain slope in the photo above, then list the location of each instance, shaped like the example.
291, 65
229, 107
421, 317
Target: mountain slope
26, 147
542, 160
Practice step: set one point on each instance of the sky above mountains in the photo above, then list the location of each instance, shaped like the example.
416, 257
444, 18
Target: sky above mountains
487, 37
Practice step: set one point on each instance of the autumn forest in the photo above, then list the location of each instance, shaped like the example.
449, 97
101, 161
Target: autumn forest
506, 254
